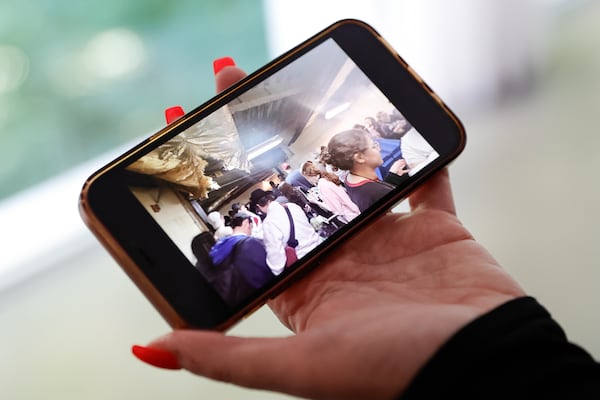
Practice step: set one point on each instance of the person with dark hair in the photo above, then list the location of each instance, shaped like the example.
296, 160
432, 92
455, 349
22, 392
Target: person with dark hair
354, 150
394, 122
375, 129
293, 194
277, 228
275, 188
255, 220
201, 245
239, 262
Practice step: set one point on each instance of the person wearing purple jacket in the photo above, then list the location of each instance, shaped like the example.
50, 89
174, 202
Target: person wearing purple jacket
239, 262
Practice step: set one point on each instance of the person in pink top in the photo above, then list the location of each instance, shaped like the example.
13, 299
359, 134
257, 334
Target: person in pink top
331, 192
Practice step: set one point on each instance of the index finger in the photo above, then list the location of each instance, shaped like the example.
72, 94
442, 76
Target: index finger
227, 75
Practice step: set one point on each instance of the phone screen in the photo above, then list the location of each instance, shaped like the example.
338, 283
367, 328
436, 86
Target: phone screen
313, 146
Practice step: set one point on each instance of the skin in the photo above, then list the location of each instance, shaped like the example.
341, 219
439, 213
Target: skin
371, 315
367, 161
399, 167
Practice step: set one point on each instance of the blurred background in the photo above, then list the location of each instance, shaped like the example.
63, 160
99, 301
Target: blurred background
81, 82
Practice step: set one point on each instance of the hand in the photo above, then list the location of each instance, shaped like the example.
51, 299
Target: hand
371, 315
399, 167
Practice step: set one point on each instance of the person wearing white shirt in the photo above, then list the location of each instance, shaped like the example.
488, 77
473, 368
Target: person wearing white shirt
217, 221
276, 229
416, 151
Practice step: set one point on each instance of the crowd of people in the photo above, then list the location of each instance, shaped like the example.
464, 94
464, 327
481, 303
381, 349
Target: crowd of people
250, 248
376, 157
398, 139
263, 236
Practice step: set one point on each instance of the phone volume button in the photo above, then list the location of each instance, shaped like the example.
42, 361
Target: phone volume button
414, 73
154, 137
424, 84
143, 259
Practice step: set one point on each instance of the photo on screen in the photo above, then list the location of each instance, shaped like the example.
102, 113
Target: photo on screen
310, 147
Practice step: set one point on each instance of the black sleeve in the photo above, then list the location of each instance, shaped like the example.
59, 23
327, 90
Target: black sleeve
516, 351
396, 179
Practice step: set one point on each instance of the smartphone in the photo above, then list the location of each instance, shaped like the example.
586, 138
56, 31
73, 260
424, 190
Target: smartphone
223, 209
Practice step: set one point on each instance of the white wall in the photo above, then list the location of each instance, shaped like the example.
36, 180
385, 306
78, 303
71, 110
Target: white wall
469, 51
172, 216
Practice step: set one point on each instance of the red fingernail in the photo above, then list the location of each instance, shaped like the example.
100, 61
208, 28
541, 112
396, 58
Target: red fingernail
221, 63
156, 357
173, 114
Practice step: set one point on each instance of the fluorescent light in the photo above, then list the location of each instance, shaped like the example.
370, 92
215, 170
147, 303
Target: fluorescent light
337, 110
264, 147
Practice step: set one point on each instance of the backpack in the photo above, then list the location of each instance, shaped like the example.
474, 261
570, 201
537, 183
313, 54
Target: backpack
227, 279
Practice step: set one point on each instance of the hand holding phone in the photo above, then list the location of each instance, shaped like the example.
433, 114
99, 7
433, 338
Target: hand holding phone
365, 320
369, 317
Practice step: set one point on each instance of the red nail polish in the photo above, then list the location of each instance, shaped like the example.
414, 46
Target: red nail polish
156, 357
173, 114
221, 63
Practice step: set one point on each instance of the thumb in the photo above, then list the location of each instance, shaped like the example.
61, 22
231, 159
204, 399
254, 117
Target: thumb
436, 193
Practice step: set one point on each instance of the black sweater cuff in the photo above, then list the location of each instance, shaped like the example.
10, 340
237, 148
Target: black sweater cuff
516, 351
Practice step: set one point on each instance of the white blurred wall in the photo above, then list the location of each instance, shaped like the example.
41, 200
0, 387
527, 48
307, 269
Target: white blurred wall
471, 52
526, 186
